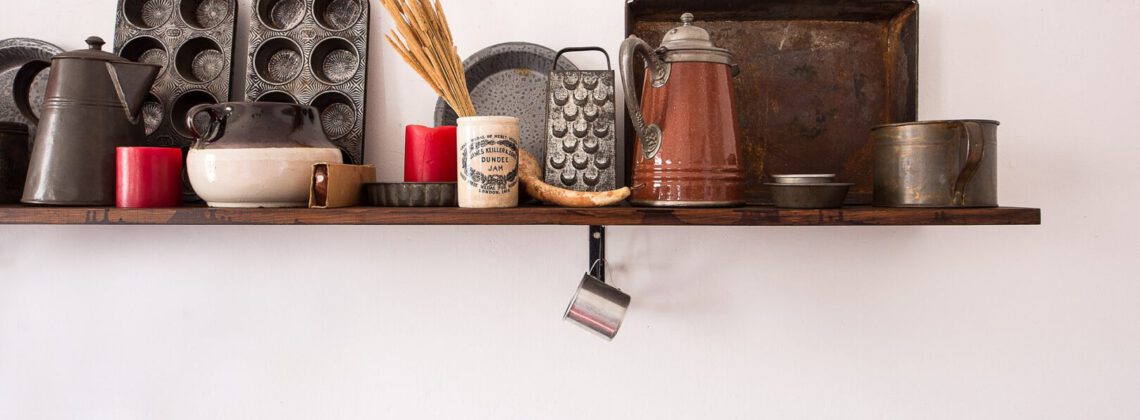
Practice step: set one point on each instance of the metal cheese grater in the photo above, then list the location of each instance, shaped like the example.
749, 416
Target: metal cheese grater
580, 131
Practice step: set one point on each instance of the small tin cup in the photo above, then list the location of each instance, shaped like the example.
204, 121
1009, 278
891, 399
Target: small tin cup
598, 307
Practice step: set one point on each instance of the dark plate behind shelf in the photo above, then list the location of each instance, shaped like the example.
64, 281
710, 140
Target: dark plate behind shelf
313, 52
510, 79
14, 53
816, 75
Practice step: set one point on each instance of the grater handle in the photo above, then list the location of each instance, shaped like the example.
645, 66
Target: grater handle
580, 49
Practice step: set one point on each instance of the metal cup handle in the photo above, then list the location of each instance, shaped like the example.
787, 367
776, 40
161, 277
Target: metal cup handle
976, 149
650, 134
217, 122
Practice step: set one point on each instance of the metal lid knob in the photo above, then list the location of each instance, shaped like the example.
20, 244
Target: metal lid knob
687, 36
94, 51
95, 43
689, 42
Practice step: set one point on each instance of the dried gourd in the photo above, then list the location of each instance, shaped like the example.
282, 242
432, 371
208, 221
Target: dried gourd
531, 174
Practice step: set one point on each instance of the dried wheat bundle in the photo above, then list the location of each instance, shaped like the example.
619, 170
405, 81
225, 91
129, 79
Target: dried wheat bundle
423, 39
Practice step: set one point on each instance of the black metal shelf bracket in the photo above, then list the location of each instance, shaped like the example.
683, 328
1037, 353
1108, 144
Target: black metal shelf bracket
597, 261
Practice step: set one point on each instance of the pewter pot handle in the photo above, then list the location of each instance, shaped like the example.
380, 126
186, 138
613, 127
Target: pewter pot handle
22, 87
976, 149
650, 134
217, 122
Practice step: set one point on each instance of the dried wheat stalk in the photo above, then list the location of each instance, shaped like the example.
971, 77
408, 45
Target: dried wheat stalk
423, 39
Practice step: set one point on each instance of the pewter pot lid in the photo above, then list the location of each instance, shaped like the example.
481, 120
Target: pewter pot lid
94, 51
691, 43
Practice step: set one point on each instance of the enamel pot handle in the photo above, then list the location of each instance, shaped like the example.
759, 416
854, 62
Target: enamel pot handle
22, 88
217, 122
650, 134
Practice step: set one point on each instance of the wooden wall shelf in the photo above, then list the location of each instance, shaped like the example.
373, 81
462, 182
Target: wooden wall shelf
528, 215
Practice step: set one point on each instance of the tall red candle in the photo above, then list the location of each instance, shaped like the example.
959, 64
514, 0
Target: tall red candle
148, 177
429, 154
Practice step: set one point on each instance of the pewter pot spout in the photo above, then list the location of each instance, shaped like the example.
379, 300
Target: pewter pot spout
132, 83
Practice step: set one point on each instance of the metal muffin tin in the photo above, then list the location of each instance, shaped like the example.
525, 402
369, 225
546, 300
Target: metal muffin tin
313, 52
194, 42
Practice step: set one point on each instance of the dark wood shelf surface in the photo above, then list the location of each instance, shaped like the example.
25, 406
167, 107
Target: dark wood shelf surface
527, 215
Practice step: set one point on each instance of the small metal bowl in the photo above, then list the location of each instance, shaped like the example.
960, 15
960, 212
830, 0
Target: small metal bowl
809, 196
411, 194
804, 179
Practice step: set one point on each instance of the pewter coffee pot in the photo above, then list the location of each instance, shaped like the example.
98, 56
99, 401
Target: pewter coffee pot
91, 106
688, 148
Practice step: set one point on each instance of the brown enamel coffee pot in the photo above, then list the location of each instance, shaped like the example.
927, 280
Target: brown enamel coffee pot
91, 106
687, 152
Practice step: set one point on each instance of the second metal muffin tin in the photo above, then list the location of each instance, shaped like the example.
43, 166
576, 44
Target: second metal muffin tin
313, 52
194, 42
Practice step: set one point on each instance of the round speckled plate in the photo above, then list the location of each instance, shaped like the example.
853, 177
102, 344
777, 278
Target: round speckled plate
510, 79
14, 53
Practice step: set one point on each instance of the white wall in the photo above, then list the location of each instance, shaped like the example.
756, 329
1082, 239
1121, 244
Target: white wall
411, 322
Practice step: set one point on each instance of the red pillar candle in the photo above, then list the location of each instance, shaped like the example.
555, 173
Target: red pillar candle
429, 154
148, 177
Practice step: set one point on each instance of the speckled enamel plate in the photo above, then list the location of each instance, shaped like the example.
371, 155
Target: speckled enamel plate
14, 53
510, 79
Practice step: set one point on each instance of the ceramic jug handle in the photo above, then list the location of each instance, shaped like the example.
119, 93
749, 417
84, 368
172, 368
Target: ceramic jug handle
22, 88
217, 122
650, 134
976, 149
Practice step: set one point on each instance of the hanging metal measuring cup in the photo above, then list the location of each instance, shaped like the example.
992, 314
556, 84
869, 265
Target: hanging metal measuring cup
581, 139
597, 306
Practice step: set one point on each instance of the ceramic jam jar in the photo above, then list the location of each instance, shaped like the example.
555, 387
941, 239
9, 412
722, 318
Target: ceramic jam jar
256, 154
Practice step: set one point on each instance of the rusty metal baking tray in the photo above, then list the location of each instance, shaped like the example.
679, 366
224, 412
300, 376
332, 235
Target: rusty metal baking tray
193, 40
313, 52
816, 75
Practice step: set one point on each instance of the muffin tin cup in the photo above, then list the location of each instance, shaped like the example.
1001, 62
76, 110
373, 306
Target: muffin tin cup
277, 96
205, 14
280, 15
153, 113
146, 14
146, 49
335, 61
278, 61
200, 60
181, 109
337, 15
313, 52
